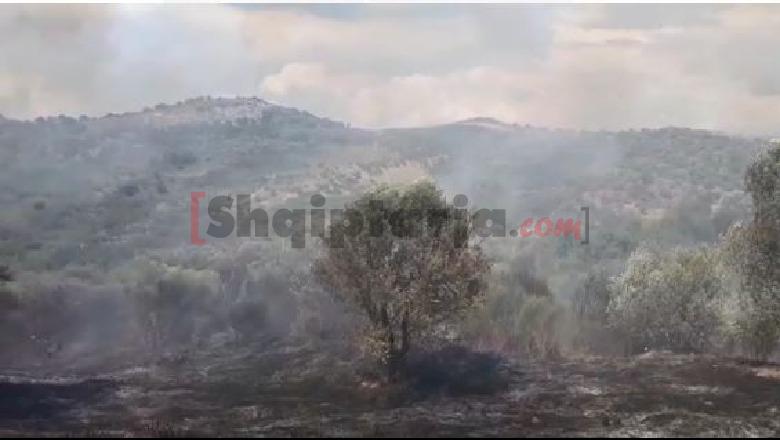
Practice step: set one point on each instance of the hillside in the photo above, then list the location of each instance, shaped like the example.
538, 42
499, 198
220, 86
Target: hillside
111, 174
109, 309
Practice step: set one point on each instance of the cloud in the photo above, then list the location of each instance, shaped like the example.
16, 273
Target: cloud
96, 59
650, 16
408, 100
583, 66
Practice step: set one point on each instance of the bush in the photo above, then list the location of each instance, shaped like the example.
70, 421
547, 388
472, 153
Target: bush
754, 315
754, 252
53, 314
757, 331
173, 305
539, 327
668, 300
248, 318
519, 321
591, 298
590, 303
180, 159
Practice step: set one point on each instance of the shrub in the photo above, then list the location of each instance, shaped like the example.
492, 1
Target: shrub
247, 318
539, 327
519, 316
668, 300
530, 326
754, 319
180, 159
591, 298
754, 251
756, 330
173, 305
590, 303
57, 312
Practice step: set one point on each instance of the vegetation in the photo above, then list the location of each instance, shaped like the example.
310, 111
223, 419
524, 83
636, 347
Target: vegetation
519, 315
95, 227
754, 250
667, 300
685, 300
408, 277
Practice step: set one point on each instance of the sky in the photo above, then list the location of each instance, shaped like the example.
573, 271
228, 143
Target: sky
571, 66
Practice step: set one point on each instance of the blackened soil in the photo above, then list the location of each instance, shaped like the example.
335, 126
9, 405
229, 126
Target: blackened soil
282, 390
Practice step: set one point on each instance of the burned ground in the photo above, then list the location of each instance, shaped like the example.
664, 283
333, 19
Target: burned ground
275, 389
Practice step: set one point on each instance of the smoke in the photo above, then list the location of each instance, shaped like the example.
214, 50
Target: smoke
593, 67
53, 54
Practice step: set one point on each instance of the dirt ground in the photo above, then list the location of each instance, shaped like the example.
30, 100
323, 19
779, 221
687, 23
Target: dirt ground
279, 390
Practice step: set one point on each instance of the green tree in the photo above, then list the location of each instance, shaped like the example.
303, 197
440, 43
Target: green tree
402, 258
754, 251
668, 300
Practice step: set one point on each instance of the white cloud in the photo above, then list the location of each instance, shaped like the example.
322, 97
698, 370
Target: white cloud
604, 66
408, 100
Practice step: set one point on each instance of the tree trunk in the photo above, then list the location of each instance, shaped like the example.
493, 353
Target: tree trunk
398, 349
405, 336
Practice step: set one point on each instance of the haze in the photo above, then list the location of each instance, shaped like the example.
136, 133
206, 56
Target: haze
571, 66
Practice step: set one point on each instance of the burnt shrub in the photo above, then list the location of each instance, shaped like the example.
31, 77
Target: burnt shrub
248, 319
455, 370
